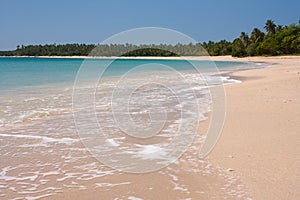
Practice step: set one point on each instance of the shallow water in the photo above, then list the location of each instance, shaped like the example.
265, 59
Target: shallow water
43, 153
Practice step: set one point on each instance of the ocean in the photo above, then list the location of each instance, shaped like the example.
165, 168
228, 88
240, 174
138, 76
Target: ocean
79, 124
28, 72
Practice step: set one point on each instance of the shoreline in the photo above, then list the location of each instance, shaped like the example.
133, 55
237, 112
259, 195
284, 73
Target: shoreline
257, 152
260, 138
78, 175
259, 142
215, 58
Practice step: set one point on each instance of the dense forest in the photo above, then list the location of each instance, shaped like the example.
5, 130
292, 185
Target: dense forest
277, 40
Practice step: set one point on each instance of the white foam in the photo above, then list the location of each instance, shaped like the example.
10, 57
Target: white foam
3, 186
33, 99
81, 187
227, 80
33, 145
111, 184
151, 152
11, 178
175, 178
134, 198
25, 115
42, 190
37, 197
67, 176
44, 139
112, 142
180, 188
51, 173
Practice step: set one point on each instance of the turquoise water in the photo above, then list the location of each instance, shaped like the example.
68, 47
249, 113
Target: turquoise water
18, 72
24, 72
41, 147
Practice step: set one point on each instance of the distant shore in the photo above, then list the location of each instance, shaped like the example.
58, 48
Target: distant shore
123, 57
255, 59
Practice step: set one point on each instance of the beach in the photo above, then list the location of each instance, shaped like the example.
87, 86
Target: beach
260, 139
150, 100
256, 157
259, 145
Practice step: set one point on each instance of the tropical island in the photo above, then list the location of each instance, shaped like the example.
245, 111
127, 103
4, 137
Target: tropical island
277, 40
136, 129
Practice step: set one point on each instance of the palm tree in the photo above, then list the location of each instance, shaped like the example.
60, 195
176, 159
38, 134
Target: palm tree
244, 38
270, 26
238, 48
279, 28
257, 36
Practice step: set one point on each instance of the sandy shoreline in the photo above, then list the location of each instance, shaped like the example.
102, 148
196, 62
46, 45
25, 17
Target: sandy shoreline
260, 139
257, 156
260, 59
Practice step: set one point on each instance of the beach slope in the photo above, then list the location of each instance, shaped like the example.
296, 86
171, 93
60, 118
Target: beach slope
261, 137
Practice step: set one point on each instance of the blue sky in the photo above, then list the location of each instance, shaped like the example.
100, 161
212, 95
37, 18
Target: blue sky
58, 21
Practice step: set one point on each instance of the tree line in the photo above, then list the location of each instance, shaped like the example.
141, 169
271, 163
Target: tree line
276, 40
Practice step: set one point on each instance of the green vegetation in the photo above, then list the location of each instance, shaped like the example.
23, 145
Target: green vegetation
53, 50
278, 40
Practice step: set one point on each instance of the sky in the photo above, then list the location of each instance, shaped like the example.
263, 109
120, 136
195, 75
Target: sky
61, 21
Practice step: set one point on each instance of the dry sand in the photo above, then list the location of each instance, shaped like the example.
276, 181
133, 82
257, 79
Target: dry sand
261, 137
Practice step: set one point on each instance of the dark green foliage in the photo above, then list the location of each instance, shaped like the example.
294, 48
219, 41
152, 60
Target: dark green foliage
222, 47
150, 52
285, 41
245, 39
107, 50
279, 40
53, 50
238, 48
6, 53
270, 26
257, 36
